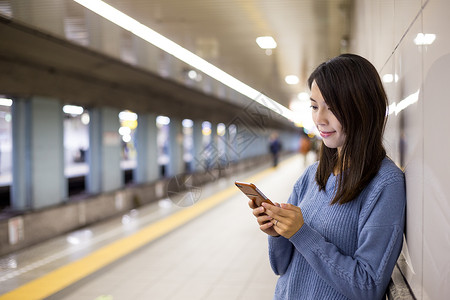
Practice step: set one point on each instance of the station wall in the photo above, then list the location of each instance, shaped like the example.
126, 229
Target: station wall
409, 43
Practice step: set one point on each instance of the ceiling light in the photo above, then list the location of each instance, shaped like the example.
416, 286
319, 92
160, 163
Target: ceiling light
162, 120
126, 22
303, 96
221, 129
291, 79
266, 42
124, 130
295, 105
192, 74
128, 116
424, 39
187, 123
5, 102
73, 109
85, 119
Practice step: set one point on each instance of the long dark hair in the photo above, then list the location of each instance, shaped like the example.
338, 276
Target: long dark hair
352, 89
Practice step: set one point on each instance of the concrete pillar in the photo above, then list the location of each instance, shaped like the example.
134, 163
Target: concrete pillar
231, 143
21, 155
227, 147
147, 151
38, 153
221, 146
197, 136
176, 163
104, 151
212, 147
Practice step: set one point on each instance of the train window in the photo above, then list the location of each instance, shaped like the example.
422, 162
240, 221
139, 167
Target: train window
76, 146
127, 131
5, 151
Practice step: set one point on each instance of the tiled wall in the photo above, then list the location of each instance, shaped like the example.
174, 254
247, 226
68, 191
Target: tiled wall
417, 133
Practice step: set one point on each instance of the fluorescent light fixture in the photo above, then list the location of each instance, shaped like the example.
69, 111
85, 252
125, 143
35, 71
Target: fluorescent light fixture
192, 74
187, 123
295, 105
206, 124
266, 42
162, 120
424, 39
85, 119
206, 128
221, 129
124, 130
128, 116
303, 96
291, 79
5, 102
73, 109
126, 22
126, 138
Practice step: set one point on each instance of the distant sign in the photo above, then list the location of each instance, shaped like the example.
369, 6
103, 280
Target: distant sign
15, 230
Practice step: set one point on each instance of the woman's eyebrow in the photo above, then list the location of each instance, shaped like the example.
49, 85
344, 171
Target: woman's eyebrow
312, 100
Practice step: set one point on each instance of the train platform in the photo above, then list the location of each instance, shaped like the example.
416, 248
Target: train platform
212, 249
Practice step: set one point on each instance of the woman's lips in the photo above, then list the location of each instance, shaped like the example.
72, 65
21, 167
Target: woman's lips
326, 134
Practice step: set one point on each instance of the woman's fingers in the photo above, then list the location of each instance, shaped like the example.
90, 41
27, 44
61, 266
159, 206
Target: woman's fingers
258, 211
263, 219
265, 226
252, 204
286, 219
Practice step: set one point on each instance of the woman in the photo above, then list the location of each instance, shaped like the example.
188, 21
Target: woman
341, 232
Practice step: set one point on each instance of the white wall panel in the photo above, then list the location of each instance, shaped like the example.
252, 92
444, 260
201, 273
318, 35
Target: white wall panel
416, 135
409, 68
436, 231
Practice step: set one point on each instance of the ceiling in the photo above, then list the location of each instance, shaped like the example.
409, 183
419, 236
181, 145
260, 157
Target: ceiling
224, 33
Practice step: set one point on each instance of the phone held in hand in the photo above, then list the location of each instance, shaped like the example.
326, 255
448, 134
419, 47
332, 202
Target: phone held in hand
252, 192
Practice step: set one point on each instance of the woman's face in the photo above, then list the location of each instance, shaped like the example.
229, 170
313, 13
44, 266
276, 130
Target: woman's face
328, 125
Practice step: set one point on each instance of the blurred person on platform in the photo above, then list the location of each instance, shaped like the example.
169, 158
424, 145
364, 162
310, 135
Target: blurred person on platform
275, 148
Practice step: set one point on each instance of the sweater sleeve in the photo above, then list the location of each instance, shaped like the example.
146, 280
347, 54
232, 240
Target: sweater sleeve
280, 248
366, 274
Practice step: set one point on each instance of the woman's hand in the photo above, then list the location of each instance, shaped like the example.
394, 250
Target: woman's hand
263, 219
286, 219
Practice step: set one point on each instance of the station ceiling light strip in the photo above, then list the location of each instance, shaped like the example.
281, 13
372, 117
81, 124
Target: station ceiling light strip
126, 22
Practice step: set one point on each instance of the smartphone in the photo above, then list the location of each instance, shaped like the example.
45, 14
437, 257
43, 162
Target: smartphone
252, 192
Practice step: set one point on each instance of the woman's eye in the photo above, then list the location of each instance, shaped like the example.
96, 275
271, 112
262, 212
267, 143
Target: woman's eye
313, 107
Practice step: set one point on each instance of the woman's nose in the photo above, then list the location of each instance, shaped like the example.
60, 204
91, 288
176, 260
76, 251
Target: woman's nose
320, 117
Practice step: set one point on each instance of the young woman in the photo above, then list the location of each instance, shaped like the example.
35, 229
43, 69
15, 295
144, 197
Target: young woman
341, 232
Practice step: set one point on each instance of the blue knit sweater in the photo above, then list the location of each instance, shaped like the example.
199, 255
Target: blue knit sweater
342, 251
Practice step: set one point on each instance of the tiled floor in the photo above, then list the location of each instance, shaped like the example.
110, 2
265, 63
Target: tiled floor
219, 255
